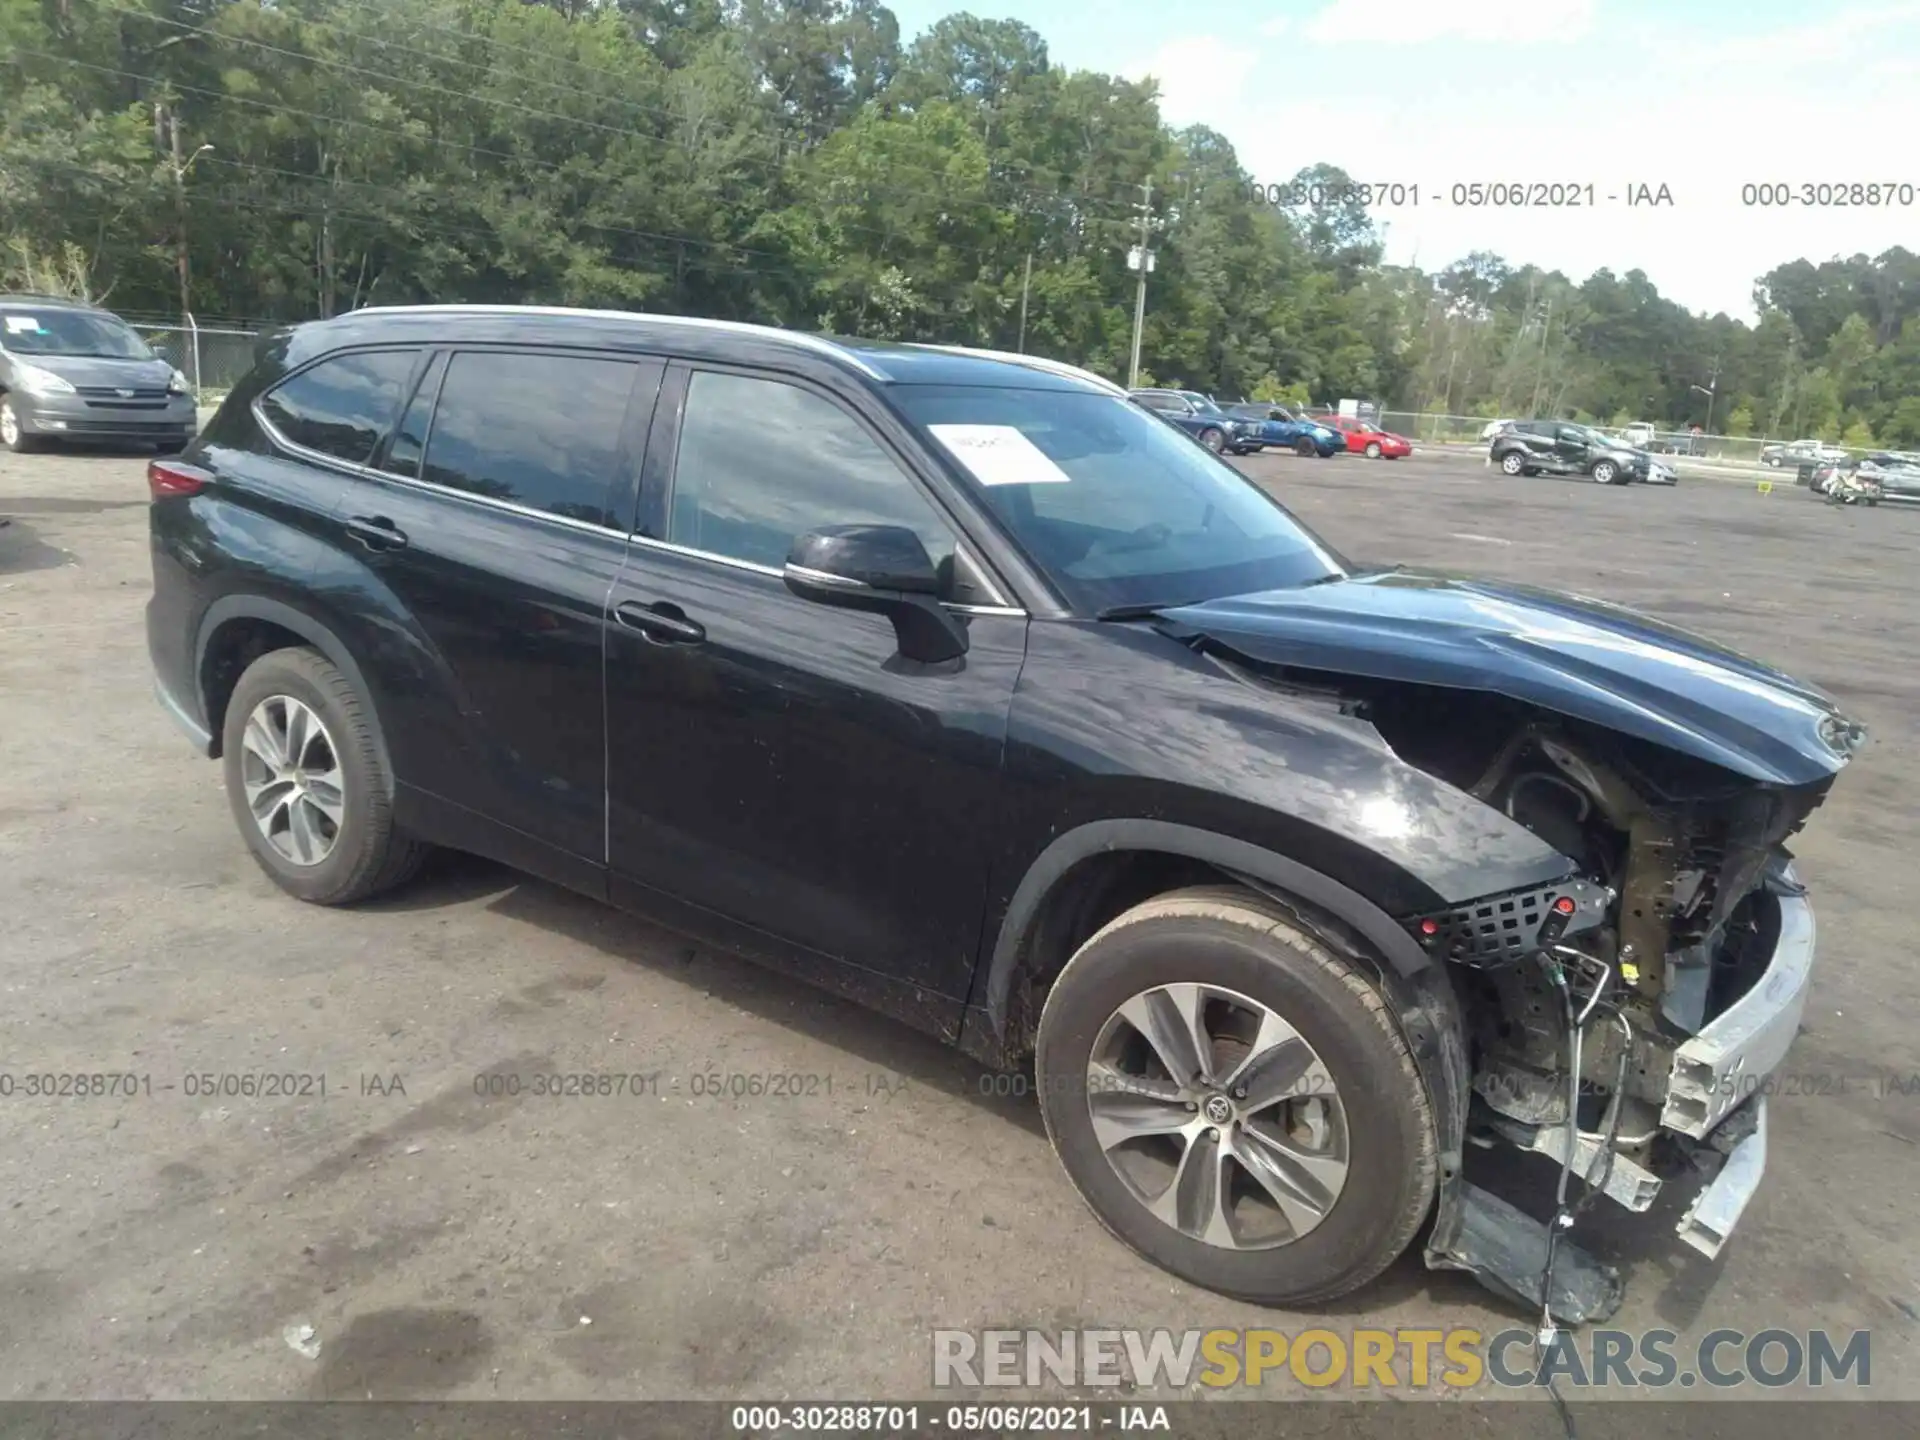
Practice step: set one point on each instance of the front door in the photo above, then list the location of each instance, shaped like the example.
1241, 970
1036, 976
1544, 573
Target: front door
773, 761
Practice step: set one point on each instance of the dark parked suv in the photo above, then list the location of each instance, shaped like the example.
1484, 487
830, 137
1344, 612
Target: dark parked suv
958, 683
1559, 447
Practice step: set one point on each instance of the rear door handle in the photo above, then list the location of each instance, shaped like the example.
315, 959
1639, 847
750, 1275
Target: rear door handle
662, 622
376, 532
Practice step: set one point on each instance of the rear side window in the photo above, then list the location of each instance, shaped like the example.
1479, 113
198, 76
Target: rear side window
342, 406
541, 431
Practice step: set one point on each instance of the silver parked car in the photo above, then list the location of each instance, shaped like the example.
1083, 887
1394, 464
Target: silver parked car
72, 371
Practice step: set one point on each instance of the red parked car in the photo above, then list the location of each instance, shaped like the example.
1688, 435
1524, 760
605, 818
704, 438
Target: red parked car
1366, 438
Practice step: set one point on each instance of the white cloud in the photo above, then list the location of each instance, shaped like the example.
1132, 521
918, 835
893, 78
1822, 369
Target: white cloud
1419, 22
1278, 26
1704, 130
1199, 75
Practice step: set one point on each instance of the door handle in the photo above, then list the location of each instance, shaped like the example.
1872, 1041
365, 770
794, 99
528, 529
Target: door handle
376, 532
662, 623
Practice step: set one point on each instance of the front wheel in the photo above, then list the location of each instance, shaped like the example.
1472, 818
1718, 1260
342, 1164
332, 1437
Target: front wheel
1214, 440
307, 785
1305, 448
1606, 472
13, 434
1373, 451
1234, 1100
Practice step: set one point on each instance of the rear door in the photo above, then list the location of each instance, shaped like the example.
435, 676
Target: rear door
493, 524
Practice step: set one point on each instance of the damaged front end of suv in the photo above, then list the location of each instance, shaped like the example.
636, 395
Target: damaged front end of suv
1619, 1019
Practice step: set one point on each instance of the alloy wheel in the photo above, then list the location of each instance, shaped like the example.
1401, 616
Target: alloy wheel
1512, 464
1218, 1116
290, 771
9, 425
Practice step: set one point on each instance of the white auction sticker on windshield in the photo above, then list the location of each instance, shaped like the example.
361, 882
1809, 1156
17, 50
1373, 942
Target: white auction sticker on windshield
23, 325
999, 455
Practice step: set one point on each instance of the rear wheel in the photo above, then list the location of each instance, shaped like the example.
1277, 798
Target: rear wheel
307, 785
1234, 1100
1214, 440
1512, 463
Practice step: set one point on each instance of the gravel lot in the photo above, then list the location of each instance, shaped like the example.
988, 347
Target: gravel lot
445, 1244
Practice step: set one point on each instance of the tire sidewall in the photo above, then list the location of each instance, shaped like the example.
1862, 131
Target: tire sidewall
1213, 440
274, 675
1384, 1139
1604, 472
1305, 448
1511, 464
1373, 452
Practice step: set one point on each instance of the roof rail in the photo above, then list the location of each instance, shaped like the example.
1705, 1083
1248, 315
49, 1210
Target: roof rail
1037, 362
737, 327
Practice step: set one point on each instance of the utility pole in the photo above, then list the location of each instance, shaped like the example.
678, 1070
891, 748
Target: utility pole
180, 169
1025, 285
1540, 371
1141, 259
1708, 389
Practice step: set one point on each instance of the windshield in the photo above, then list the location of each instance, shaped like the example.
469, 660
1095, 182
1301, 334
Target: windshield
1119, 508
70, 332
1201, 402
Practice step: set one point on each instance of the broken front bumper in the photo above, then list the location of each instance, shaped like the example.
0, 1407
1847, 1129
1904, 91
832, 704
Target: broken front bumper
1717, 1106
1719, 1080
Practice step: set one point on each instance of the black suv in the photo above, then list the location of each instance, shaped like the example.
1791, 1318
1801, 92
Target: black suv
960, 684
1559, 447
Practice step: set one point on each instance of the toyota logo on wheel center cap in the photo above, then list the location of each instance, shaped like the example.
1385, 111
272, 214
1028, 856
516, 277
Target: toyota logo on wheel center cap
1219, 1109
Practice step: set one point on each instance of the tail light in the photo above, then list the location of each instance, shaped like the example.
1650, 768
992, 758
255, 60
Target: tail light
171, 477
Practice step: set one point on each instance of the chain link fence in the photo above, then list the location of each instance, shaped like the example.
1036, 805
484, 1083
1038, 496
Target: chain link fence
213, 358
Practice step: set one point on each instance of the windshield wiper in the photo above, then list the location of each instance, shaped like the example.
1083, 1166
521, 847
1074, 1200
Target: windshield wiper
1137, 612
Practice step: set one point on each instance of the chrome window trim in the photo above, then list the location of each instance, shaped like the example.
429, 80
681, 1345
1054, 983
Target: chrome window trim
1011, 612
368, 472
733, 327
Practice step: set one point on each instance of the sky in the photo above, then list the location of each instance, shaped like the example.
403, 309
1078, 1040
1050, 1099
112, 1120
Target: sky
1703, 97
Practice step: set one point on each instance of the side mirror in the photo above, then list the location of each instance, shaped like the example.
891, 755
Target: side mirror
884, 570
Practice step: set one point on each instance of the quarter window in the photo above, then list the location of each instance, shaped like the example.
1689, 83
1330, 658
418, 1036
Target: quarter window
342, 406
762, 462
541, 431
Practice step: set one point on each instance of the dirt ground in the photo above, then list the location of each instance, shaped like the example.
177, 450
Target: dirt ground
442, 1242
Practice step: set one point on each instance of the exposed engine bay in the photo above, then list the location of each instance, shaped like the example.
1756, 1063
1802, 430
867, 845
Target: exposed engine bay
1589, 1003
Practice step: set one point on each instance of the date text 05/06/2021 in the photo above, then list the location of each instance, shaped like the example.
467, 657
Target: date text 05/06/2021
1569, 194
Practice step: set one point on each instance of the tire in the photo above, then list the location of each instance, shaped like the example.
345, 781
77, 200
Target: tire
1305, 448
1513, 463
1213, 440
366, 853
1243, 948
1605, 472
12, 433
1372, 451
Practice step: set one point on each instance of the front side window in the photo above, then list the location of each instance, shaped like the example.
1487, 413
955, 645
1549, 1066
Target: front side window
541, 431
1119, 509
342, 406
57, 331
762, 462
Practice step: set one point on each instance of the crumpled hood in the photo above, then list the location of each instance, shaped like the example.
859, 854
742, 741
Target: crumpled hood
1582, 658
